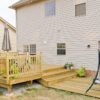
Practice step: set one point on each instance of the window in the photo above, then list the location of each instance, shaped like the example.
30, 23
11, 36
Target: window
30, 48
61, 49
80, 9
50, 8
33, 49
26, 48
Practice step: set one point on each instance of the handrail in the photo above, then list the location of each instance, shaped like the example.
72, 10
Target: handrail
16, 64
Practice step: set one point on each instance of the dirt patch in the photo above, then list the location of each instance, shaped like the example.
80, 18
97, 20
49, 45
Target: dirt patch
43, 93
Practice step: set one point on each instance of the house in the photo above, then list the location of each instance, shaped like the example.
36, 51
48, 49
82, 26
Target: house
63, 30
12, 34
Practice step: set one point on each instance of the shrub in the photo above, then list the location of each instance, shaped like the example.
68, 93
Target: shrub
81, 72
14, 69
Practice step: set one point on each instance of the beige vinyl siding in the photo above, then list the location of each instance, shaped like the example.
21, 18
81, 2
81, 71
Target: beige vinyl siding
12, 35
76, 32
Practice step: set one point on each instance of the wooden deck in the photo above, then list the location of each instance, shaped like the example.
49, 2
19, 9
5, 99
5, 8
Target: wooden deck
60, 78
15, 68
78, 85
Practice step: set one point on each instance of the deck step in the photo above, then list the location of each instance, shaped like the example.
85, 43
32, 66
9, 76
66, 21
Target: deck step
56, 72
60, 76
54, 76
59, 79
52, 69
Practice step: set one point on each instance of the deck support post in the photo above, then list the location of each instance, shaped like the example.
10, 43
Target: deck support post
9, 88
30, 82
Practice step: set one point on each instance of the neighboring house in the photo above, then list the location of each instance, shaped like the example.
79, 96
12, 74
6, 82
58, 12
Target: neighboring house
12, 34
63, 30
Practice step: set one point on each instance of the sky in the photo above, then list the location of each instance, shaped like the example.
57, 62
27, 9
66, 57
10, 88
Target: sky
7, 13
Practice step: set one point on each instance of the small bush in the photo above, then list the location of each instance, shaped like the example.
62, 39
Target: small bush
81, 72
14, 69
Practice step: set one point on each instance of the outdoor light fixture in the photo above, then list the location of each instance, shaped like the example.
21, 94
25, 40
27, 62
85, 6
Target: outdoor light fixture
88, 46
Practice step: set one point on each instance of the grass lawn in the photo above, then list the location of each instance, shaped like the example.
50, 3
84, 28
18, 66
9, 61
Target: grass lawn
46, 94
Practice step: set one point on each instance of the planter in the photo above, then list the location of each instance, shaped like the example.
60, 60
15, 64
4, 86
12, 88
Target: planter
68, 66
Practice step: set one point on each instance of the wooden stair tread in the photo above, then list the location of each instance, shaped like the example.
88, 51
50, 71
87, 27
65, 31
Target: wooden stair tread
56, 75
52, 69
55, 72
59, 77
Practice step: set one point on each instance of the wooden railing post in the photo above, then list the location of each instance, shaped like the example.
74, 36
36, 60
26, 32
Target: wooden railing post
7, 66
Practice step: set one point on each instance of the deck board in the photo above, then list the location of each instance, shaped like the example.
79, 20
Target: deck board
25, 78
78, 85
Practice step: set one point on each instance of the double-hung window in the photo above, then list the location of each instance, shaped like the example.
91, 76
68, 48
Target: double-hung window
80, 9
31, 49
50, 8
61, 49
26, 48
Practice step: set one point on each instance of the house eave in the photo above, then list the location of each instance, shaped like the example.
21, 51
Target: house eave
11, 26
24, 3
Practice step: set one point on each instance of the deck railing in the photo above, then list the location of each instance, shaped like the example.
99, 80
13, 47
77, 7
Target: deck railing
15, 65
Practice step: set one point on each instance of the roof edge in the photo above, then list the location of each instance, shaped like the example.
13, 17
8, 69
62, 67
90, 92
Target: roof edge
18, 4
11, 26
22, 3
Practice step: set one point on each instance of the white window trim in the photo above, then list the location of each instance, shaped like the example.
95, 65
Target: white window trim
29, 50
61, 49
76, 2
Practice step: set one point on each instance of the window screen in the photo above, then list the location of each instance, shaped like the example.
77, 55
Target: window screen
61, 49
50, 8
80, 9
26, 48
33, 49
